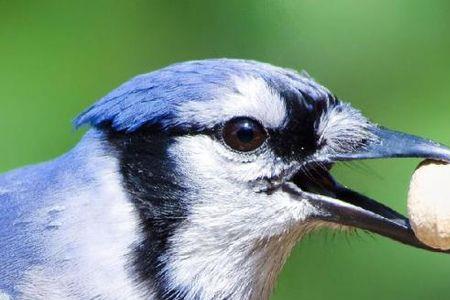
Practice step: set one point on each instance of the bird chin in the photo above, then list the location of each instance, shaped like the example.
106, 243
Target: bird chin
337, 204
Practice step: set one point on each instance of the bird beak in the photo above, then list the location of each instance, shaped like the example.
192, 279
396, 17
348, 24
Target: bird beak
337, 204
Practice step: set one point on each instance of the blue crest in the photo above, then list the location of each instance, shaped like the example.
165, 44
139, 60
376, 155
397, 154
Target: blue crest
152, 99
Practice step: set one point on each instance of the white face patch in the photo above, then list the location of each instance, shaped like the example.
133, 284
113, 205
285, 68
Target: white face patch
235, 239
252, 98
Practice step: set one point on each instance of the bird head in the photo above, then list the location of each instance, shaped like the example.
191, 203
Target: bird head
228, 164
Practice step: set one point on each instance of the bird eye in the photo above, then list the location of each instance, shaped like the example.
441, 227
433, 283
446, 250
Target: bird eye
244, 134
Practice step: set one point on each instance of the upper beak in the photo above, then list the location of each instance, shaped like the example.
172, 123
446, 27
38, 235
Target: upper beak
337, 204
388, 143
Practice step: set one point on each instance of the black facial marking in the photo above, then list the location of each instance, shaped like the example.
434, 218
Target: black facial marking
157, 191
298, 138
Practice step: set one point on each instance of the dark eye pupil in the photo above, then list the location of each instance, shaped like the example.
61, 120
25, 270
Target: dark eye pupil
244, 134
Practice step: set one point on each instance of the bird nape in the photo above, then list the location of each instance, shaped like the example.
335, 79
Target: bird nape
194, 182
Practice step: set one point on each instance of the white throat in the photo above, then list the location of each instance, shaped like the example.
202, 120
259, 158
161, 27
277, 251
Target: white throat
234, 241
205, 264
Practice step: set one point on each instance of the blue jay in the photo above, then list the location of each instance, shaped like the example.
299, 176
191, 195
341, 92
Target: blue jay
194, 182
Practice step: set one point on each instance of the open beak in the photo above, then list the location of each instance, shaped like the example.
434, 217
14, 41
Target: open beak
338, 204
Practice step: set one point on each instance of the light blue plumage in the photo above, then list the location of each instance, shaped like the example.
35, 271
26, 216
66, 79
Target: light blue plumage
32, 200
154, 98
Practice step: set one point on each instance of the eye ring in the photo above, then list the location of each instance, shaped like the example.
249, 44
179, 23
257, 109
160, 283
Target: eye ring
243, 134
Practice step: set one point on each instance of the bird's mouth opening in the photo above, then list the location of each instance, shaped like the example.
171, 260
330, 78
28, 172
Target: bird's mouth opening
337, 204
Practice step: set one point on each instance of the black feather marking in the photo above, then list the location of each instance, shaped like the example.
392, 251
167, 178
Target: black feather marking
153, 183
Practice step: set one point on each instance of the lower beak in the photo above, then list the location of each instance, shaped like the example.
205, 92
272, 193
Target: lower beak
336, 204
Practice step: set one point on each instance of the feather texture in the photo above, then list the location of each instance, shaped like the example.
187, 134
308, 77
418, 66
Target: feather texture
155, 98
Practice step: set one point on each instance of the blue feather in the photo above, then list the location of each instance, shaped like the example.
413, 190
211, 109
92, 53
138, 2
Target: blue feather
153, 98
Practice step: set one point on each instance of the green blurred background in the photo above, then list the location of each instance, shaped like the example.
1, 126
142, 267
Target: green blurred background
391, 59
